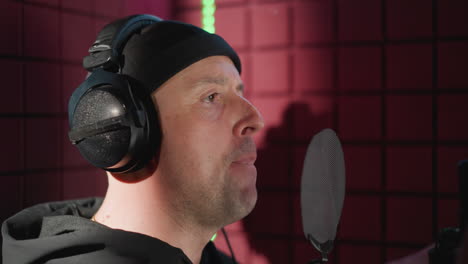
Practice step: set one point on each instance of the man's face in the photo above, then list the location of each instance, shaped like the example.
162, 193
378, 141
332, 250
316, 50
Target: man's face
207, 151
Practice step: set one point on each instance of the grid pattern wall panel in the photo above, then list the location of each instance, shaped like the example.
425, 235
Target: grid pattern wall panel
390, 77
42, 46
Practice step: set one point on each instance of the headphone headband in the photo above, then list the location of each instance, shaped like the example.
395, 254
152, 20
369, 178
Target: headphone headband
106, 50
113, 120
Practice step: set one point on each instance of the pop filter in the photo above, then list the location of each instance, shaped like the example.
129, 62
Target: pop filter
322, 190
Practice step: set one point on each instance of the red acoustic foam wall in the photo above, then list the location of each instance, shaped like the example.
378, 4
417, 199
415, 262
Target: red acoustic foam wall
409, 218
12, 158
270, 80
266, 17
359, 21
313, 22
359, 68
13, 103
452, 19
85, 5
363, 167
360, 118
42, 143
74, 49
361, 219
447, 158
41, 32
233, 33
452, 117
388, 76
408, 19
313, 70
409, 117
36, 101
409, 67
409, 168
453, 59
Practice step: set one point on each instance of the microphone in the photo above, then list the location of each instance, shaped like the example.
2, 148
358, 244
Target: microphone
322, 191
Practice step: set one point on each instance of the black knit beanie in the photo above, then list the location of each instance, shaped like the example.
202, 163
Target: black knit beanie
165, 48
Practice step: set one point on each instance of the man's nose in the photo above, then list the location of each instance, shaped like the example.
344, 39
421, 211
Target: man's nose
251, 119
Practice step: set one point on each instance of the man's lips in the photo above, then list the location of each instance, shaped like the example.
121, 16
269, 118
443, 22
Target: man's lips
246, 159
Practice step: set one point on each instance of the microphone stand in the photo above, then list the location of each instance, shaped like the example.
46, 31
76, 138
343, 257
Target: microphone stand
323, 248
321, 260
316, 261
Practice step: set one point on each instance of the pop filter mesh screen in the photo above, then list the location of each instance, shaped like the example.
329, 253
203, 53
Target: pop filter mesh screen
322, 187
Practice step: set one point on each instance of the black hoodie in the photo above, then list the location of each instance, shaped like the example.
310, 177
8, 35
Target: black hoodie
61, 232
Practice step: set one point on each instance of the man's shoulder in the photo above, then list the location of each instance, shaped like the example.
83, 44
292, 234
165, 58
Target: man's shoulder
62, 232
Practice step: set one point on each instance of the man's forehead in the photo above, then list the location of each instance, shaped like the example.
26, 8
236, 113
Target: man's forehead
213, 70
218, 70
220, 80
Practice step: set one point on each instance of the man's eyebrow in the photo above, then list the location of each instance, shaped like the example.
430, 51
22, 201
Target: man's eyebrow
219, 81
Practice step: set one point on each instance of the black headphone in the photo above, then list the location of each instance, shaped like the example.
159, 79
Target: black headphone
112, 118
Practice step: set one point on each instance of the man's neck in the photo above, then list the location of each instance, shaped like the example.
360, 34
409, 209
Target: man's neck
141, 208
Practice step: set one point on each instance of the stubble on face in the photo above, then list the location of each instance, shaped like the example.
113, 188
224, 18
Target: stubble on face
197, 154
209, 195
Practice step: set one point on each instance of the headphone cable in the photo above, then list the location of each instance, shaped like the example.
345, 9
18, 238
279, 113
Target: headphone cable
229, 245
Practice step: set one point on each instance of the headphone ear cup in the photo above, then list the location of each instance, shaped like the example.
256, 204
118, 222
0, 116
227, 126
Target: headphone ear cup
112, 119
103, 150
146, 133
117, 123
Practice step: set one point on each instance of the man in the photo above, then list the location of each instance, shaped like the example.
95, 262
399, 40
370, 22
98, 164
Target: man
199, 179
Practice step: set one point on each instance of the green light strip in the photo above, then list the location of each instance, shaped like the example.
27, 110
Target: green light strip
214, 237
208, 15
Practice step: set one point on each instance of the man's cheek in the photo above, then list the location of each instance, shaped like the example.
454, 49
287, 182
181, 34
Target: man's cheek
210, 112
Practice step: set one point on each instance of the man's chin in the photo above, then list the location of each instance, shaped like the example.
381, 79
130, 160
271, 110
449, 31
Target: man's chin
248, 200
249, 197
242, 191
252, 206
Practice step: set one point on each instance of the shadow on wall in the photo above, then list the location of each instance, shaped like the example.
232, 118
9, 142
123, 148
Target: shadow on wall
272, 233
275, 226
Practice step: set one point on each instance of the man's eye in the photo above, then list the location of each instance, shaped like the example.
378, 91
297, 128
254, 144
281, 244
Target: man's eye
210, 98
